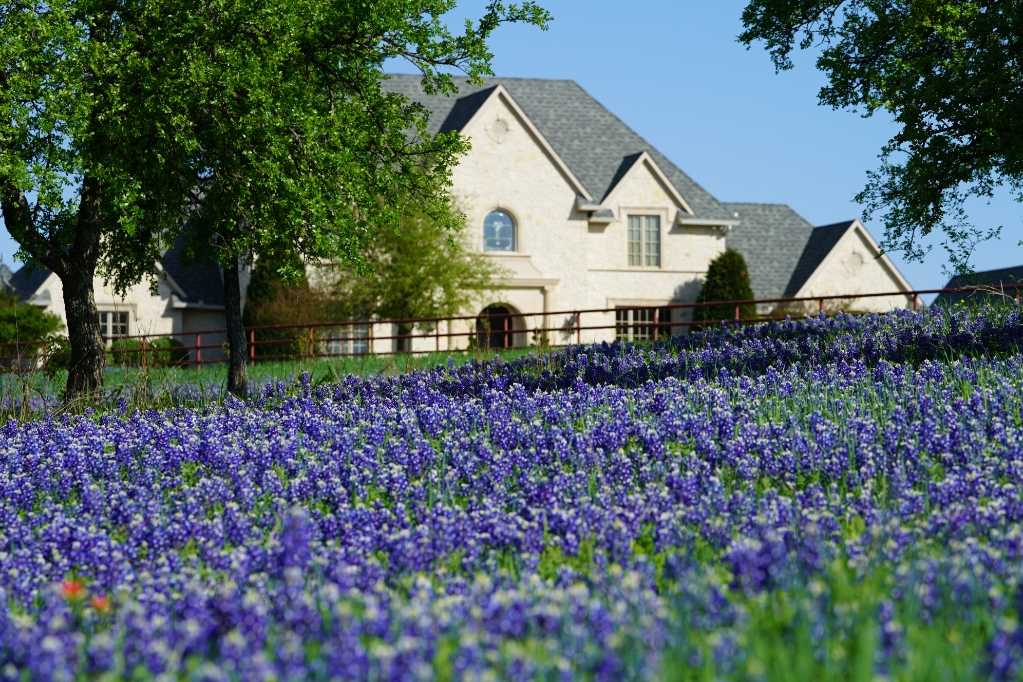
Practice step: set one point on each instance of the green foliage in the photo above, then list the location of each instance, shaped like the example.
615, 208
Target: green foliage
58, 356
264, 122
947, 71
420, 268
269, 301
727, 280
159, 351
21, 323
304, 151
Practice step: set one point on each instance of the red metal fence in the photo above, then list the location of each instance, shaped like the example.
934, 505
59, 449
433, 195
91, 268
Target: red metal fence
490, 330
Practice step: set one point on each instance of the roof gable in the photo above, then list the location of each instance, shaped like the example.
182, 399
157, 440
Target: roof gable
822, 240
591, 140
200, 282
27, 280
500, 93
631, 165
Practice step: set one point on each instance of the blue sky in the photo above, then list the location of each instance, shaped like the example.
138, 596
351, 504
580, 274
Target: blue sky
674, 72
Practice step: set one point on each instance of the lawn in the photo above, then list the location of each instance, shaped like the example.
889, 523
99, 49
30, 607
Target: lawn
834, 499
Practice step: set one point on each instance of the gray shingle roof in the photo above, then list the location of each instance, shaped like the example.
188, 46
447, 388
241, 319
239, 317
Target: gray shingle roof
818, 246
591, 140
202, 282
26, 281
771, 237
988, 278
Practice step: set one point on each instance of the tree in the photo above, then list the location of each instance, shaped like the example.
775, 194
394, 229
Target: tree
948, 71
727, 280
264, 122
306, 153
90, 168
415, 270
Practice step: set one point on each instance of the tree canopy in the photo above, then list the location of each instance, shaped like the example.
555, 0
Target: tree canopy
415, 270
263, 121
947, 71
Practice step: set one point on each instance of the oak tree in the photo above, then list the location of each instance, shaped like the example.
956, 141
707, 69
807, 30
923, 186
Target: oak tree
947, 71
262, 123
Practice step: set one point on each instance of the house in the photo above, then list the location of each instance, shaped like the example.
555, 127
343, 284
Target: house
586, 214
582, 213
789, 258
187, 299
992, 283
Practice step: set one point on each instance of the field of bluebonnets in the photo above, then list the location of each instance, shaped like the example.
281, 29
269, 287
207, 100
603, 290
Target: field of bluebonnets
835, 498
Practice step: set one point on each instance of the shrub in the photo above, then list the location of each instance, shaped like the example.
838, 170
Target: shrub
269, 300
23, 328
159, 351
57, 356
727, 280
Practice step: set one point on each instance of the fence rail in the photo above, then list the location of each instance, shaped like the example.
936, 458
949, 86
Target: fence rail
491, 330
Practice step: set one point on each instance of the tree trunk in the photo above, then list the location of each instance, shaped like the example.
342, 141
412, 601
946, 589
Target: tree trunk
88, 354
237, 371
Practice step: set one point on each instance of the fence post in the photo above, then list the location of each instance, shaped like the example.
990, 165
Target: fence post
657, 322
737, 311
578, 328
144, 362
916, 302
252, 346
312, 344
198, 351
822, 305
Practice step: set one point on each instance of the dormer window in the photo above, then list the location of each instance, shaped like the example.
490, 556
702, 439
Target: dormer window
645, 241
498, 232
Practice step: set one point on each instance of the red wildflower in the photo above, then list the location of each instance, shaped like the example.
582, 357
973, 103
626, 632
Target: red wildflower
72, 590
101, 603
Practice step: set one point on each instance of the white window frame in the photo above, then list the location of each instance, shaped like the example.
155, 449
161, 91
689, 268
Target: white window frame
634, 323
357, 343
107, 323
645, 254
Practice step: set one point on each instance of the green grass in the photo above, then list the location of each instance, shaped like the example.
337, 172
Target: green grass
22, 395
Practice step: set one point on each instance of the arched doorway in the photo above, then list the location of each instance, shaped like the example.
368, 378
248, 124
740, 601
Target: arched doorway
496, 326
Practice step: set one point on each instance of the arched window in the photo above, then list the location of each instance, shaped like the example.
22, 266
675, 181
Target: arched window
498, 232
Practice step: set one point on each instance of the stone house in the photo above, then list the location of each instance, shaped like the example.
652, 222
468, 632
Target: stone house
186, 299
581, 212
586, 214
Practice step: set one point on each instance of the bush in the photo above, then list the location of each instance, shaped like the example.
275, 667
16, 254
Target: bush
159, 351
57, 356
727, 280
23, 328
268, 301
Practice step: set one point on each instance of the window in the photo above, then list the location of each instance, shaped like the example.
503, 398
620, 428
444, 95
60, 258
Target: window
498, 232
351, 340
645, 241
639, 324
113, 324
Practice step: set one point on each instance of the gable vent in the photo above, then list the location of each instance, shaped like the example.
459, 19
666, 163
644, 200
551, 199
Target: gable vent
498, 130
854, 261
